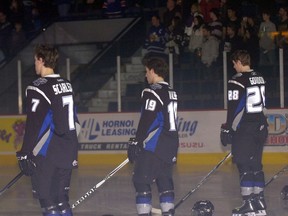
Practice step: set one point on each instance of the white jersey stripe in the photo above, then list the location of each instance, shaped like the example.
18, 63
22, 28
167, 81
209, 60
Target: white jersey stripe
154, 93
39, 91
236, 83
41, 143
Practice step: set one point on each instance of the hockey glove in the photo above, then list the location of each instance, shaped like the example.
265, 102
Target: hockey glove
26, 164
225, 135
134, 149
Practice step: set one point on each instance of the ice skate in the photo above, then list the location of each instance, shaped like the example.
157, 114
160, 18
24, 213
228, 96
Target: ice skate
260, 206
247, 209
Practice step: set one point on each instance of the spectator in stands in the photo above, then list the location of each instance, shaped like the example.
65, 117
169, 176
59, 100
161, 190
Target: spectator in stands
189, 22
283, 18
36, 20
186, 8
134, 8
114, 9
231, 43
216, 24
172, 10
223, 7
63, 7
206, 6
249, 33
5, 33
46, 10
209, 54
195, 43
175, 39
250, 42
179, 4
18, 38
156, 38
266, 42
232, 20
249, 21
35, 23
282, 27
282, 37
196, 38
16, 11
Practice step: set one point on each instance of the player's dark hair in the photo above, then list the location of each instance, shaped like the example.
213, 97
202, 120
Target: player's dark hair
158, 64
243, 56
48, 53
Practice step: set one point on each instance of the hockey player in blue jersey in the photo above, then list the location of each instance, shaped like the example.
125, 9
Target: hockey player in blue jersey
154, 149
50, 148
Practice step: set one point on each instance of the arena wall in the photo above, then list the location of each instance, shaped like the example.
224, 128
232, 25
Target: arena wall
103, 137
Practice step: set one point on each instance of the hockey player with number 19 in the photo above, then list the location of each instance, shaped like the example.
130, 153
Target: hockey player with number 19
154, 150
246, 129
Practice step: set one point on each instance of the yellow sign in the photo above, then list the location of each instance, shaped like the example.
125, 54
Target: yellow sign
12, 130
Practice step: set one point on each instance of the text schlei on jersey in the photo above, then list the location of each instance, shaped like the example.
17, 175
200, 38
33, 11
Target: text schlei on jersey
62, 88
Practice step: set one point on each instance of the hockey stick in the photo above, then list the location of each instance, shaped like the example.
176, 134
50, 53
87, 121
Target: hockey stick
284, 169
158, 211
12, 182
94, 188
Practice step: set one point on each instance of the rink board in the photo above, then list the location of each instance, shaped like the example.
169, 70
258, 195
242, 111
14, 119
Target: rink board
183, 159
103, 137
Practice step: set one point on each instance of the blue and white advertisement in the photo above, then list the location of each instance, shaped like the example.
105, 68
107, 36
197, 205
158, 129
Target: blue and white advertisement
199, 131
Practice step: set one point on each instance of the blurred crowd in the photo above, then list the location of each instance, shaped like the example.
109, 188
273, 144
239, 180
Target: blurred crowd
200, 29
21, 20
214, 26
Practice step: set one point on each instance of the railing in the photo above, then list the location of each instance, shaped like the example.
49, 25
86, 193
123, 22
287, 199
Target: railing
117, 59
59, 35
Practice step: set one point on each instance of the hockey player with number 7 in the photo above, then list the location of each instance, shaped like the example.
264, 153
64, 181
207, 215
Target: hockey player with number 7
154, 149
50, 148
246, 129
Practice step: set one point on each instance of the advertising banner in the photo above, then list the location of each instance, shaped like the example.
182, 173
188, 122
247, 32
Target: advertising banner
12, 130
198, 131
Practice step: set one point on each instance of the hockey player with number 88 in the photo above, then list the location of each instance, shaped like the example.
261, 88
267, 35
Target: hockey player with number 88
154, 149
246, 129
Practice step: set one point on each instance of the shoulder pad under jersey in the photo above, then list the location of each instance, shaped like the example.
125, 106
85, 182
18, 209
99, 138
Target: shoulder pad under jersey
39, 81
156, 86
237, 75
